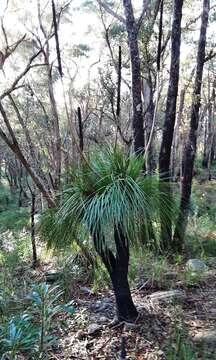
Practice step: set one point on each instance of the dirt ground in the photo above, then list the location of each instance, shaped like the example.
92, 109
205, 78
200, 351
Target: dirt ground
92, 334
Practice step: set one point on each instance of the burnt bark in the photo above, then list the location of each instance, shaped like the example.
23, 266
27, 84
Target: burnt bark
57, 38
56, 128
118, 102
169, 122
190, 150
80, 124
132, 31
117, 267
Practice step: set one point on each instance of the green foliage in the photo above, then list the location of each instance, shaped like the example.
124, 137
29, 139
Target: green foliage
18, 334
14, 219
110, 190
201, 239
74, 268
81, 50
44, 299
194, 278
116, 30
180, 346
5, 198
32, 330
149, 268
11, 217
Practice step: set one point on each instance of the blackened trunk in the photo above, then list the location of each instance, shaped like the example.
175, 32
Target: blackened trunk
80, 124
119, 276
132, 31
118, 104
169, 123
117, 267
190, 151
56, 129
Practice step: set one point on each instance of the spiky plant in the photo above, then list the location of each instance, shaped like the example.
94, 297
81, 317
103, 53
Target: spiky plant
110, 201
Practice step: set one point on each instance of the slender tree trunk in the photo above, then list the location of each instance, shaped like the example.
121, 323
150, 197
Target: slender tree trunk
148, 121
56, 129
34, 158
208, 138
117, 267
176, 135
213, 147
132, 31
169, 122
190, 151
34, 249
80, 125
14, 146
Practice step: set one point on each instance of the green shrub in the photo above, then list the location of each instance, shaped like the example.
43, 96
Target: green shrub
32, 330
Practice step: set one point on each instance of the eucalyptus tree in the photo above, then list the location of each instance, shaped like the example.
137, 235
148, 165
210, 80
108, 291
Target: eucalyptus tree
132, 26
191, 146
170, 117
209, 124
24, 88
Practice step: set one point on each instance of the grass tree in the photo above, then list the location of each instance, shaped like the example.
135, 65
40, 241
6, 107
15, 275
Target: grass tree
110, 199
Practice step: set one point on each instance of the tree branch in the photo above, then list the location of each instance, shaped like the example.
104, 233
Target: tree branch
20, 76
142, 15
111, 12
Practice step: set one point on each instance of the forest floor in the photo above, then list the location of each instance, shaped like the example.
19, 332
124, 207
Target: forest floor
172, 324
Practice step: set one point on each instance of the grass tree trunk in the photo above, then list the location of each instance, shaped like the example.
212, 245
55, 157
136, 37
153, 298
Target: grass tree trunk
117, 267
190, 150
169, 122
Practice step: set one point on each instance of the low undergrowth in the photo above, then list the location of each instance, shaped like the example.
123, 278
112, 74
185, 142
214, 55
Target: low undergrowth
28, 325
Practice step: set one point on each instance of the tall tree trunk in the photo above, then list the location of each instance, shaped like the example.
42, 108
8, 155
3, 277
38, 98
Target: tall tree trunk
176, 135
190, 150
80, 126
169, 122
148, 121
34, 249
208, 138
132, 31
56, 130
117, 267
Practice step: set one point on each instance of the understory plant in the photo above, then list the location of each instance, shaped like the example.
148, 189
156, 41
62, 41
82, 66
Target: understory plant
112, 202
32, 330
180, 346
